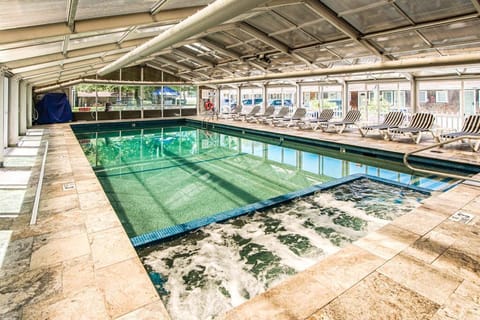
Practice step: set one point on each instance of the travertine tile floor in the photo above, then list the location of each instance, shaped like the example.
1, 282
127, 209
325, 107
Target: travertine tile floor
78, 263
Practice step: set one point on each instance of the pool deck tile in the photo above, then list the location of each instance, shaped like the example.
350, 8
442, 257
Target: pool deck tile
122, 297
77, 261
152, 311
342, 270
57, 250
418, 276
388, 241
86, 304
110, 246
429, 247
378, 297
419, 221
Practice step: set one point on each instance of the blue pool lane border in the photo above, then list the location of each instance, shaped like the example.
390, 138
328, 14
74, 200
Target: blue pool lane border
168, 232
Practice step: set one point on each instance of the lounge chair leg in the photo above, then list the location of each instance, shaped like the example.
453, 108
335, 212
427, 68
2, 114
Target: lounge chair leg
475, 146
341, 129
418, 139
388, 135
363, 133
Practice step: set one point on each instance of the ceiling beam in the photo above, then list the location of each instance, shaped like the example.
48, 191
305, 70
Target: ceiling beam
71, 13
192, 57
476, 4
96, 24
419, 26
259, 35
69, 66
14, 64
158, 6
213, 15
66, 41
397, 65
330, 16
153, 65
220, 49
172, 63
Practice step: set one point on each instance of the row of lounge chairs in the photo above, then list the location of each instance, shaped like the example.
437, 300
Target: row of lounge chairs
420, 123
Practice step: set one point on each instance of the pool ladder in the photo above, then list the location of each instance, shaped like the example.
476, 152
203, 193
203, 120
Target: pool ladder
474, 181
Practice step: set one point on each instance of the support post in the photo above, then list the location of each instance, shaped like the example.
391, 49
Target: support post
414, 95
264, 97
298, 96
13, 125
22, 104
2, 124
29, 106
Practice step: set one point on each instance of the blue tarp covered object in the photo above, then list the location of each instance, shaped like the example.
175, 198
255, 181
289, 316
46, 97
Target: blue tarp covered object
54, 108
167, 91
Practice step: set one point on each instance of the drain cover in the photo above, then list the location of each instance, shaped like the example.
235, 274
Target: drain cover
461, 217
68, 186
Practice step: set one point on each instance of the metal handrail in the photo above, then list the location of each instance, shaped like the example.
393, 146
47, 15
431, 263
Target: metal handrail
33, 220
438, 173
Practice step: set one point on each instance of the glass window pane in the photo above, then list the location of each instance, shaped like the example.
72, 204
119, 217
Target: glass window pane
290, 156
15, 14
441, 98
88, 9
310, 162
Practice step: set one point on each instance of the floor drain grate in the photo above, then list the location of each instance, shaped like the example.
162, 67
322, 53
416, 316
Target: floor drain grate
68, 186
461, 217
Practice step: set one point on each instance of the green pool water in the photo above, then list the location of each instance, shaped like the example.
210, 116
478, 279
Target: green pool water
161, 177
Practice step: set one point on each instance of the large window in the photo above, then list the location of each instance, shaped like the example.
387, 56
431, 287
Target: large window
99, 97
471, 96
315, 98
251, 97
228, 99
375, 100
442, 98
279, 96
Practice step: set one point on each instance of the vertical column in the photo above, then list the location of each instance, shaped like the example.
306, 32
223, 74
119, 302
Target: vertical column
239, 95
298, 97
377, 101
217, 102
345, 98
22, 104
2, 127
414, 94
264, 96
198, 99
162, 94
13, 111
141, 92
29, 106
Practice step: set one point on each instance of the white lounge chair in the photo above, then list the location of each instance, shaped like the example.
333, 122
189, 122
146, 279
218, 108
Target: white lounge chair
324, 116
234, 113
269, 111
244, 116
392, 120
471, 127
282, 112
420, 123
298, 115
350, 119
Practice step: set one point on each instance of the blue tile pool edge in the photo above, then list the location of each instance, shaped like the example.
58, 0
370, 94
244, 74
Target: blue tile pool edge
168, 232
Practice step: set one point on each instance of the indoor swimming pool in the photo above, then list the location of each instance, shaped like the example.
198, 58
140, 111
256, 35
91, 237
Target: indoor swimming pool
219, 216
177, 178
